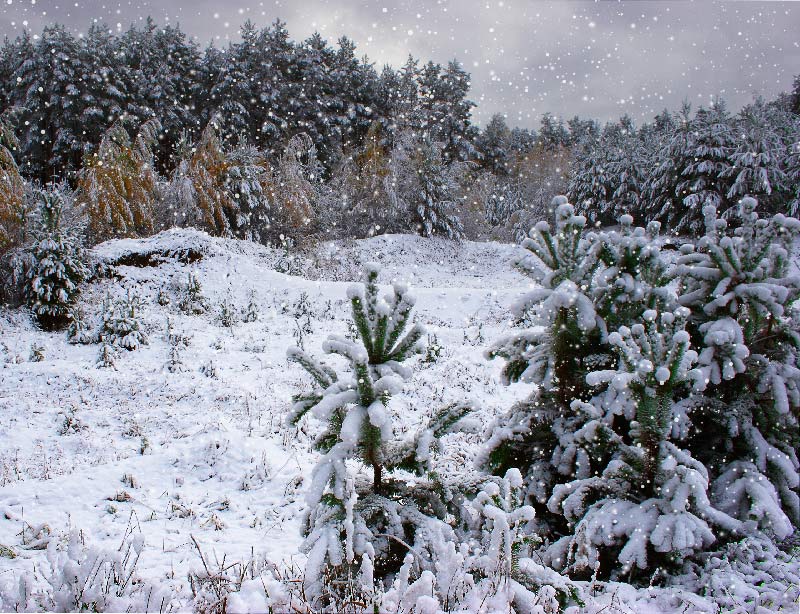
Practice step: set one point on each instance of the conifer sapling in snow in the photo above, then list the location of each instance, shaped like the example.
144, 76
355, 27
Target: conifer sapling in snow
252, 312
79, 332
193, 301
353, 526
56, 263
121, 323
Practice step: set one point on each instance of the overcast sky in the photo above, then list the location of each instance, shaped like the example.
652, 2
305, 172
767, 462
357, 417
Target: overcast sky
593, 59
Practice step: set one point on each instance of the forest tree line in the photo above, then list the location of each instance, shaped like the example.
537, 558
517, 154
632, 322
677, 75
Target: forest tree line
277, 141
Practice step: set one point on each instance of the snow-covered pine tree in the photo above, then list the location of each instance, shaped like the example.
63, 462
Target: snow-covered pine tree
227, 314
163, 73
590, 282
629, 169
117, 183
494, 144
252, 312
485, 565
106, 356
353, 526
552, 321
661, 198
792, 167
564, 263
79, 331
444, 109
502, 201
248, 180
428, 188
649, 505
706, 162
741, 289
47, 92
177, 343
607, 172
56, 262
192, 300
756, 163
590, 179
234, 93
634, 276
104, 84
121, 322
552, 132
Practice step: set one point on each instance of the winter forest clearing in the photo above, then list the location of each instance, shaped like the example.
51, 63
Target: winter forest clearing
283, 332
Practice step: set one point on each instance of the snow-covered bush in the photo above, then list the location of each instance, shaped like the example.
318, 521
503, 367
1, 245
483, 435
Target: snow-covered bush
87, 578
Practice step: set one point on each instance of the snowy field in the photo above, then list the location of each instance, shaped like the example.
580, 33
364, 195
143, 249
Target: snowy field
195, 468
178, 457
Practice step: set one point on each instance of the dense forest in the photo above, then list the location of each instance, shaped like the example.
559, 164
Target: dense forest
271, 139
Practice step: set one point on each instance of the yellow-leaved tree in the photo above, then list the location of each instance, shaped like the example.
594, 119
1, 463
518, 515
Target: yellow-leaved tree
12, 189
207, 171
117, 184
295, 189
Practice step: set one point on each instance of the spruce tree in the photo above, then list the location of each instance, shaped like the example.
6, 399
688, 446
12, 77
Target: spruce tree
756, 163
56, 261
427, 187
705, 167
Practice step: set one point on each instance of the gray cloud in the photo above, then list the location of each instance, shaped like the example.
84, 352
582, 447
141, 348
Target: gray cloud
594, 59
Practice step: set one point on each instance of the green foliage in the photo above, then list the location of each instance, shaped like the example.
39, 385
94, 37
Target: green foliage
55, 263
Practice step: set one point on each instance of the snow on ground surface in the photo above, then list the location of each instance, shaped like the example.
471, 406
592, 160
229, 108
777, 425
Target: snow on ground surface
178, 456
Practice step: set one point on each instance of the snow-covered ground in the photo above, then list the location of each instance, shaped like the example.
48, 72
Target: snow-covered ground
194, 462
178, 457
